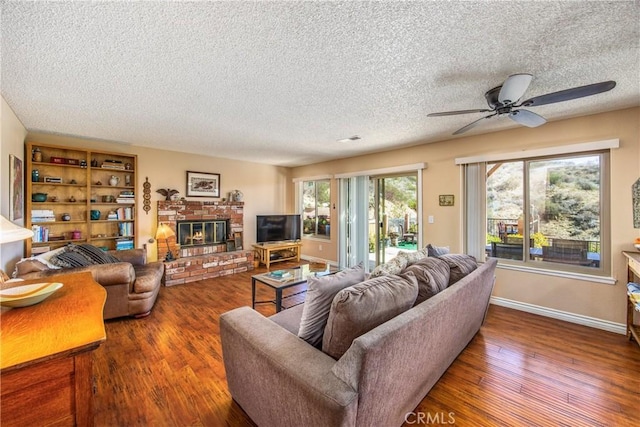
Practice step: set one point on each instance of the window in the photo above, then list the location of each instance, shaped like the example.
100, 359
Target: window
547, 212
316, 206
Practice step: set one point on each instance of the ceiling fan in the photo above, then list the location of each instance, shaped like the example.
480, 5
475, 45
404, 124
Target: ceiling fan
504, 100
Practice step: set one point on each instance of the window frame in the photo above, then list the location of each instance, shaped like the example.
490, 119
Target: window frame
604, 197
473, 177
301, 208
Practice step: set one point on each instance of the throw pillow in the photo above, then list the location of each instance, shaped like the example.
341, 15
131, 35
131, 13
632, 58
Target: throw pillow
70, 259
317, 303
359, 308
437, 250
45, 258
460, 265
93, 254
433, 276
394, 266
413, 257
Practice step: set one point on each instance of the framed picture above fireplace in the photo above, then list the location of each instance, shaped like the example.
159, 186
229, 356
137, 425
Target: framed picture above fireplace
203, 184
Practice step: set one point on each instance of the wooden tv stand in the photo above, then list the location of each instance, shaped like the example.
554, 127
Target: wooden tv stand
264, 251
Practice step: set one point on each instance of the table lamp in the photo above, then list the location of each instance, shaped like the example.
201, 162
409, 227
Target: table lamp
9, 232
163, 233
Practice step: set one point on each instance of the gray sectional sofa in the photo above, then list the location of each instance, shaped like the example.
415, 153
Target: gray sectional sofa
280, 379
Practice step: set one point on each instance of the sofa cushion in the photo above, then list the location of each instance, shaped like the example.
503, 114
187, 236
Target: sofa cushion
460, 265
437, 250
289, 319
320, 293
360, 308
432, 275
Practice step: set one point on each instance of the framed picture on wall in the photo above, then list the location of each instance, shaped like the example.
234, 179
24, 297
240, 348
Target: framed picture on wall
16, 189
446, 199
203, 184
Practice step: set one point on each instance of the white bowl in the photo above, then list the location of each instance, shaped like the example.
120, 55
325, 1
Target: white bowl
23, 296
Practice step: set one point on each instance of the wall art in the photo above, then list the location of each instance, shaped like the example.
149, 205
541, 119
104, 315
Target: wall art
203, 184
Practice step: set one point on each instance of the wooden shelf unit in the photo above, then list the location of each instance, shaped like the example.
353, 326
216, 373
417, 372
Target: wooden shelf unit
85, 190
633, 275
288, 250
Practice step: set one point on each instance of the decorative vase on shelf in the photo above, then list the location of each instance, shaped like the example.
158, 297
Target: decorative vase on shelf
37, 155
114, 180
236, 196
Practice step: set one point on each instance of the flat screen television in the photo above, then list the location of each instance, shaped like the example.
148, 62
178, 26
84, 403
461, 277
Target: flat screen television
278, 228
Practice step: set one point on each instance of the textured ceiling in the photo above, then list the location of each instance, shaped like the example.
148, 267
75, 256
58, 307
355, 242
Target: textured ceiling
281, 82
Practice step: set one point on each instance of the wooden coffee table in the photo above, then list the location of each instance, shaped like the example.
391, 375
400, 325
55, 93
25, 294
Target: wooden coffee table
297, 276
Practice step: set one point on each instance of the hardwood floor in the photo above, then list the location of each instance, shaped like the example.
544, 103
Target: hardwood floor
521, 369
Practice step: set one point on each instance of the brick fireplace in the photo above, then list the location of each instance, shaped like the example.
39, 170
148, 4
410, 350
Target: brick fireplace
198, 258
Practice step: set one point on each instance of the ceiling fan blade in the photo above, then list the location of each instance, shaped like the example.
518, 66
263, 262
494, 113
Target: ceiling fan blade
569, 94
527, 118
513, 88
452, 113
472, 124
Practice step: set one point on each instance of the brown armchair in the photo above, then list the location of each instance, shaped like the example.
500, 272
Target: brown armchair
132, 285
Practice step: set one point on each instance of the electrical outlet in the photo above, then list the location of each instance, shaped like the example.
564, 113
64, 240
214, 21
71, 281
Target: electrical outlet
320, 248
431, 220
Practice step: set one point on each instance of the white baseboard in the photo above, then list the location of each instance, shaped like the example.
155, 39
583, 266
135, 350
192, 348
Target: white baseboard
618, 328
318, 260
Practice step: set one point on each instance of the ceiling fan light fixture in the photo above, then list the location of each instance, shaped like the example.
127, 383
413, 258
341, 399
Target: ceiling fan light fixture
503, 100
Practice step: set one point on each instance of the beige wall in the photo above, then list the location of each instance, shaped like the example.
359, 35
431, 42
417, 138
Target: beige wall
12, 135
264, 187
442, 176
269, 189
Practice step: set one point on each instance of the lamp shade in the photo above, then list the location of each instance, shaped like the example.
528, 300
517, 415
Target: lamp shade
9, 232
164, 232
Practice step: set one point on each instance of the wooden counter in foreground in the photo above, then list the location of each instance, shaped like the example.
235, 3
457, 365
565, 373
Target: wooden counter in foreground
45, 355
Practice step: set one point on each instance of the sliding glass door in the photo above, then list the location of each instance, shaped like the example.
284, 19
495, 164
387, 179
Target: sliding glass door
379, 215
393, 216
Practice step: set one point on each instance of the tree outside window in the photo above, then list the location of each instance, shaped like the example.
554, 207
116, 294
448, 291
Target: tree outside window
316, 203
563, 221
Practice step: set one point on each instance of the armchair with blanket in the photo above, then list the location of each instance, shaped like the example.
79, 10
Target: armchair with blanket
131, 283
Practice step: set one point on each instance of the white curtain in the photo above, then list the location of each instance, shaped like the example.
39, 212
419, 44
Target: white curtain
353, 239
475, 233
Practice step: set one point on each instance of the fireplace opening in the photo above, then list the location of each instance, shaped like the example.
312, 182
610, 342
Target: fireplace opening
201, 233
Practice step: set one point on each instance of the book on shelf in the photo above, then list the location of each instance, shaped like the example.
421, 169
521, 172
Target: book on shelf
122, 244
113, 166
124, 213
125, 200
40, 250
125, 229
43, 219
40, 234
42, 215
